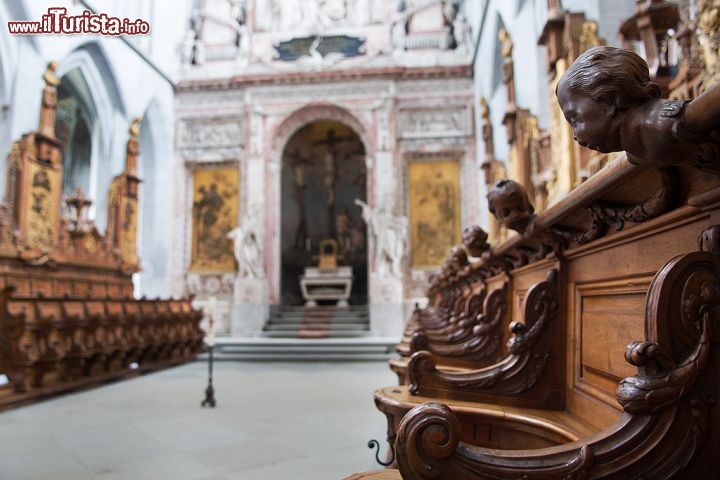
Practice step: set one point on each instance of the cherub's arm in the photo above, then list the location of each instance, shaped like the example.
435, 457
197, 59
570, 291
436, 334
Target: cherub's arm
702, 114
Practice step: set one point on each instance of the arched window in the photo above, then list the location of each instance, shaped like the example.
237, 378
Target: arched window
74, 126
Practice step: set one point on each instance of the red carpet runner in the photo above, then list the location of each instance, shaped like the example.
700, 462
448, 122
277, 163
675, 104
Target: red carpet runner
316, 323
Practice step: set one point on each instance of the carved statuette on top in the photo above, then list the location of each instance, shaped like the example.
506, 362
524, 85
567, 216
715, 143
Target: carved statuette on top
474, 239
509, 202
612, 105
123, 204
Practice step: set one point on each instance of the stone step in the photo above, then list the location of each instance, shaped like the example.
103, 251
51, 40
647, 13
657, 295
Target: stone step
321, 334
293, 349
315, 326
320, 315
339, 321
295, 311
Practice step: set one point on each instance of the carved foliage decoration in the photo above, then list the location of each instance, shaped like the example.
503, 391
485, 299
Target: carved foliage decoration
42, 205
662, 201
437, 122
211, 138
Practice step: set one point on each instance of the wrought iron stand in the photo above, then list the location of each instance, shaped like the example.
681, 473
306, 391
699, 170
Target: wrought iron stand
210, 390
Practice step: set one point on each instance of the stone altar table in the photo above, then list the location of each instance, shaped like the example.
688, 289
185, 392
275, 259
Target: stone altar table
326, 284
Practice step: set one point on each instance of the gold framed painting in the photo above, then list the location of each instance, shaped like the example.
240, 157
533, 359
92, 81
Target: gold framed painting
434, 199
214, 214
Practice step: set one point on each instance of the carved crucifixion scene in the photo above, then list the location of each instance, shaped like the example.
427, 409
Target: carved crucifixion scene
374, 239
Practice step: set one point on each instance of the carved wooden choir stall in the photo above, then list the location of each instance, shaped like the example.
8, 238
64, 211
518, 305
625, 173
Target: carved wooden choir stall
586, 344
67, 314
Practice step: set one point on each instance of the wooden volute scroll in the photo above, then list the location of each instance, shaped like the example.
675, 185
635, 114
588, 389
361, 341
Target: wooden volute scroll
34, 181
670, 406
475, 336
518, 376
123, 205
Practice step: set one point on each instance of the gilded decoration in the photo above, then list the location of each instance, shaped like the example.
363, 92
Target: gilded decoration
563, 175
215, 213
434, 210
42, 212
709, 37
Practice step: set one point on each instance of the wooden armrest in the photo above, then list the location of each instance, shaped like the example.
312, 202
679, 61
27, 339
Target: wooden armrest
376, 475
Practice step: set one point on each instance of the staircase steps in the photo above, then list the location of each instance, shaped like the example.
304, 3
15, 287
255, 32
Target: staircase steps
330, 322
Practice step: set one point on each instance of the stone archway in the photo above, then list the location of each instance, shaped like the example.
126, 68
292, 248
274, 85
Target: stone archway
277, 138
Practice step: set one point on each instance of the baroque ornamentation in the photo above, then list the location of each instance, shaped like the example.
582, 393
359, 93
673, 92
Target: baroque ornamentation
529, 351
434, 123
611, 103
667, 404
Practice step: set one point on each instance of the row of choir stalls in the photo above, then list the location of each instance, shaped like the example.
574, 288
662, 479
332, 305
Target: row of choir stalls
679, 41
68, 316
470, 402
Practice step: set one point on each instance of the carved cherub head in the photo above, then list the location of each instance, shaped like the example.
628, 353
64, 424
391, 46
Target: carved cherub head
457, 258
509, 202
474, 239
601, 84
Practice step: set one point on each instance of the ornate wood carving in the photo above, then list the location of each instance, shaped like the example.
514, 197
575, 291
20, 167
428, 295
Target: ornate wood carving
50, 343
530, 348
608, 98
669, 405
484, 329
662, 201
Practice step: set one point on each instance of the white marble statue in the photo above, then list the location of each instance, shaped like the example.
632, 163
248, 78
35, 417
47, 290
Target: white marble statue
389, 233
246, 243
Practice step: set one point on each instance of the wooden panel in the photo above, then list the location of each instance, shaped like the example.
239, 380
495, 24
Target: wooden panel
81, 288
42, 285
98, 289
608, 316
609, 323
63, 287
22, 285
434, 198
114, 290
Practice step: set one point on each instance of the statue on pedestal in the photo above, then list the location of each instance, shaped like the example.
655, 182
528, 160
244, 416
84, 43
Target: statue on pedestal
389, 233
246, 246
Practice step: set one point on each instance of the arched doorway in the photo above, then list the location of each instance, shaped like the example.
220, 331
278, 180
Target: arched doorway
323, 174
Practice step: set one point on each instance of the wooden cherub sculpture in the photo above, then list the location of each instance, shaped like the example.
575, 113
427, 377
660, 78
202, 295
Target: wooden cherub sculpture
474, 239
509, 202
612, 105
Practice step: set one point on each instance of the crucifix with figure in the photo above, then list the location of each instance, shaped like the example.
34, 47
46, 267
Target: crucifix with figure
331, 141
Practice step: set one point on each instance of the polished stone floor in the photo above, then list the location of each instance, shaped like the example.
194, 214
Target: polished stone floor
274, 421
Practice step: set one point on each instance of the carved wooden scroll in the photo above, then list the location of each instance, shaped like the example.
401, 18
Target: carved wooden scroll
670, 404
484, 332
529, 349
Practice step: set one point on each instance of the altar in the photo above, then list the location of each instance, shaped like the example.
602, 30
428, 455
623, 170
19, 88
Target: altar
326, 284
